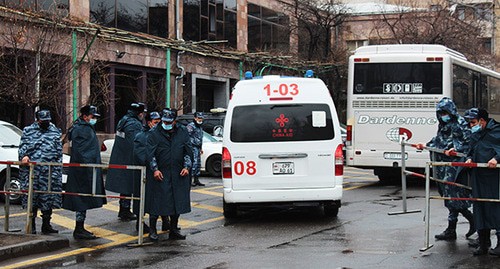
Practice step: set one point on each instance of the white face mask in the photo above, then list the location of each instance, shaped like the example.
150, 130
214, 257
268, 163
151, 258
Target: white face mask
199, 122
93, 121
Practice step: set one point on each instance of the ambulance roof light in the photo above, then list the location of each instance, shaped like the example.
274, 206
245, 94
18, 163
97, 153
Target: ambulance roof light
248, 75
309, 74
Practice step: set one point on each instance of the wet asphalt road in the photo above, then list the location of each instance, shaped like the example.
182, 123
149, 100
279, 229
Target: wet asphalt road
362, 236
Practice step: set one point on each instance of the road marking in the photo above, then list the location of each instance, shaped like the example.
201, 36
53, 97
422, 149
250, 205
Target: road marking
208, 207
359, 186
212, 193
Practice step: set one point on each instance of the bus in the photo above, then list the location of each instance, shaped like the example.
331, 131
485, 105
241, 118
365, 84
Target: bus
392, 94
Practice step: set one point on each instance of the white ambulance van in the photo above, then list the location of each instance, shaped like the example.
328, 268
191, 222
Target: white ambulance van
282, 145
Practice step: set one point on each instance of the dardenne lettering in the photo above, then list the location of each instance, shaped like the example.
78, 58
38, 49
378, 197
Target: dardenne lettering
365, 119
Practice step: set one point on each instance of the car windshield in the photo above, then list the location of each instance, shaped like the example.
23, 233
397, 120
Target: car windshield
208, 138
10, 135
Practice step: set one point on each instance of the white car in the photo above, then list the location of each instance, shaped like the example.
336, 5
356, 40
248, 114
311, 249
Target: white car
10, 137
210, 159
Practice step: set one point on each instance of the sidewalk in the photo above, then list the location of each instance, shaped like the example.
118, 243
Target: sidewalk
18, 245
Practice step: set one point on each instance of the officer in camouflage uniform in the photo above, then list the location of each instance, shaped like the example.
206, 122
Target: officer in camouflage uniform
41, 142
196, 137
453, 135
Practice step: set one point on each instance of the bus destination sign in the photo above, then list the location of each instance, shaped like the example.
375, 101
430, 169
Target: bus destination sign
403, 88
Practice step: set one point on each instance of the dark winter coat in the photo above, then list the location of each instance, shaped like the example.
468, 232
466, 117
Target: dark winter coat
84, 149
485, 181
452, 134
42, 146
169, 153
121, 180
140, 156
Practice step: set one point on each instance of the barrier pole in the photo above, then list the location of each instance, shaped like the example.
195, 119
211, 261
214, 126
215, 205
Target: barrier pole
427, 207
94, 180
140, 235
29, 213
7, 198
403, 181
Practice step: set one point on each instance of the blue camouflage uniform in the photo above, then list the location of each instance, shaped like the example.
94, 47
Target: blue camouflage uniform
196, 138
42, 146
452, 134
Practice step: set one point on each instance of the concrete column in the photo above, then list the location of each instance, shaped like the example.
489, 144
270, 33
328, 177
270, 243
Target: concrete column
242, 25
80, 9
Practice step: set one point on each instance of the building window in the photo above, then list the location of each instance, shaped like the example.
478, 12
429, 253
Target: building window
267, 29
147, 16
210, 20
352, 45
59, 7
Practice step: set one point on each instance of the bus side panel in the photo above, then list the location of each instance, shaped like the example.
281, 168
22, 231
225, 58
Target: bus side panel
376, 136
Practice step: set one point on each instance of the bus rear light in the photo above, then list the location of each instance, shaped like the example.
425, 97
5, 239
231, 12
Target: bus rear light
339, 160
348, 135
438, 59
430, 59
226, 163
434, 59
359, 60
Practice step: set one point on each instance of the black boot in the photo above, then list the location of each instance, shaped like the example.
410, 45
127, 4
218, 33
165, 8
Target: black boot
196, 182
145, 228
484, 242
472, 228
33, 221
496, 251
153, 235
474, 243
175, 234
450, 232
46, 227
81, 233
125, 214
165, 224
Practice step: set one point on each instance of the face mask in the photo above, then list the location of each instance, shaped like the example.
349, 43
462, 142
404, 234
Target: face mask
199, 122
44, 125
446, 118
93, 121
475, 128
167, 127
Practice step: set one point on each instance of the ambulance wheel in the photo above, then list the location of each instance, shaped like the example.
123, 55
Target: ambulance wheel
331, 211
230, 210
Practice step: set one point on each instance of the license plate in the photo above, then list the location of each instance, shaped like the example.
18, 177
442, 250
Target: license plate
394, 156
283, 168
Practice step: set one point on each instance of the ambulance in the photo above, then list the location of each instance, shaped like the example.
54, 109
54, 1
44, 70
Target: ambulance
282, 145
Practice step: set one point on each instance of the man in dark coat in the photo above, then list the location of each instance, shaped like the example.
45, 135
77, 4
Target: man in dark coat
41, 142
196, 137
452, 135
170, 157
140, 156
84, 149
120, 180
485, 148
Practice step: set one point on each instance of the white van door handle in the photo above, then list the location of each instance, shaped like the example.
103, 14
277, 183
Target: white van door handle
282, 155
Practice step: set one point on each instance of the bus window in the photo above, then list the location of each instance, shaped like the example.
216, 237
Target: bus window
494, 97
398, 78
463, 88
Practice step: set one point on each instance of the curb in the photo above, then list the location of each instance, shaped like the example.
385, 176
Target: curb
27, 244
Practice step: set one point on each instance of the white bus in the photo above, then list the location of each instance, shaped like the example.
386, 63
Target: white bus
393, 91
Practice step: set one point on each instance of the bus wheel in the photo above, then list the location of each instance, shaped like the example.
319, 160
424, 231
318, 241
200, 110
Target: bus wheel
230, 210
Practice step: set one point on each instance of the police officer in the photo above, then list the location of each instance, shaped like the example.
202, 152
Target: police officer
485, 184
452, 135
41, 142
119, 180
140, 143
196, 137
84, 149
168, 188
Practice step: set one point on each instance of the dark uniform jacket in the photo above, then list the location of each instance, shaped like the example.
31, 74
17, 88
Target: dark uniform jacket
485, 181
84, 149
140, 156
121, 180
169, 153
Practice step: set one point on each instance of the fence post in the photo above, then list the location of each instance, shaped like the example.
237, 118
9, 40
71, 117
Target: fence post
427, 207
29, 213
7, 198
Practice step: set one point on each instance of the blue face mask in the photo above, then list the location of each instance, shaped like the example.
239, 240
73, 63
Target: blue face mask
446, 118
475, 128
93, 121
167, 127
